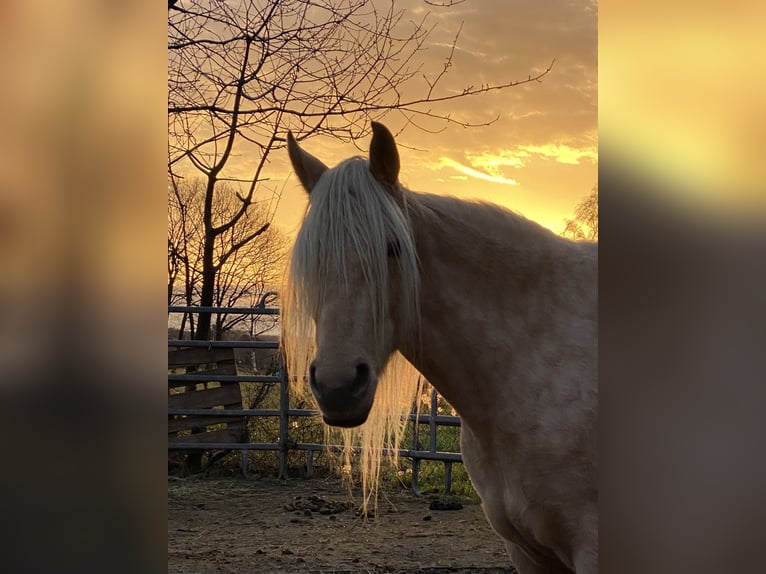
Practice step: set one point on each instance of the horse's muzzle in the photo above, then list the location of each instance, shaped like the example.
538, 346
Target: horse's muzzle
345, 398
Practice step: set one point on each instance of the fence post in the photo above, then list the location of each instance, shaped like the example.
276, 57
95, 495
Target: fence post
284, 405
415, 448
309, 463
432, 422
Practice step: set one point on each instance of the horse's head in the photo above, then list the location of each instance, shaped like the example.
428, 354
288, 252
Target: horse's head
353, 276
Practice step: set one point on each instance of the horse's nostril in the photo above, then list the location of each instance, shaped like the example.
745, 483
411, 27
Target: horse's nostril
361, 379
313, 377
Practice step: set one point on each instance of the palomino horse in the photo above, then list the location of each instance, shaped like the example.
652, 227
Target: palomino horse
498, 313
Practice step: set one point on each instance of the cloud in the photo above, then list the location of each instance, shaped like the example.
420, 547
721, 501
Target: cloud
493, 166
493, 162
469, 171
562, 153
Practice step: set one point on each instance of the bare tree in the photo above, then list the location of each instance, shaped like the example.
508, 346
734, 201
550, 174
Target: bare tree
184, 245
242, 73
245, 267
584, 225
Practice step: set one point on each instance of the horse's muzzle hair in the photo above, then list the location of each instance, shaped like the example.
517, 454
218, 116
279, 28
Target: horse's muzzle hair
344, 398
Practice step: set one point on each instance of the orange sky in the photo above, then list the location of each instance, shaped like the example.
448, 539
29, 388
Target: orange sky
540, 158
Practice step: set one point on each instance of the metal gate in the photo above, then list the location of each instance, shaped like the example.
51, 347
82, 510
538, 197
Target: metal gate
284, 443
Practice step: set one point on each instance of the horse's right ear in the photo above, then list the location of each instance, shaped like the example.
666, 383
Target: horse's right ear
384, 157
308, 168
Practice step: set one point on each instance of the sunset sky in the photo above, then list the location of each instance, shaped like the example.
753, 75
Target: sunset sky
540, 157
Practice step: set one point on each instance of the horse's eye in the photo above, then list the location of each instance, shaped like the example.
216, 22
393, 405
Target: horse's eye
393, 249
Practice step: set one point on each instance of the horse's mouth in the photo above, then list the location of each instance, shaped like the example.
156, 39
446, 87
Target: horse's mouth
345, 421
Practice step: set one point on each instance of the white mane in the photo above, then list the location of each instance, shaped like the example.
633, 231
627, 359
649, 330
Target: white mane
351, 217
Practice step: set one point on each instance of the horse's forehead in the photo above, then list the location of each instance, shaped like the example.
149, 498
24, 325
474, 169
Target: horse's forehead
351, 177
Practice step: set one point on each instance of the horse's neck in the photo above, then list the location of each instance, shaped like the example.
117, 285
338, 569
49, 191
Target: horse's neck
488, 284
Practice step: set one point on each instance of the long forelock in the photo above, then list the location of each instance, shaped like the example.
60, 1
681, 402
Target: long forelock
351, 214
352, 218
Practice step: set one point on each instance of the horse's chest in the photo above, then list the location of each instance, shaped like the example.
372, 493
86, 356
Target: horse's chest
485, 474
498, 478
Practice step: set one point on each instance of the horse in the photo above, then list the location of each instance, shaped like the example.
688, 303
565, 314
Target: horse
498, 313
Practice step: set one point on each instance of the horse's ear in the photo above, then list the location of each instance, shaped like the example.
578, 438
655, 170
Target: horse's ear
308, 168
384, 157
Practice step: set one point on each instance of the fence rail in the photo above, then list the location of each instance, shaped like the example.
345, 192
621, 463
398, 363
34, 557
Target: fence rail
284, 443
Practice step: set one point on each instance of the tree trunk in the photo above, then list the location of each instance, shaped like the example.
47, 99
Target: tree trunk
207, 291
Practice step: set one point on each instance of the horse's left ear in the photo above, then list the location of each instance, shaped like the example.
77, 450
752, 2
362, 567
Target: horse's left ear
384, 157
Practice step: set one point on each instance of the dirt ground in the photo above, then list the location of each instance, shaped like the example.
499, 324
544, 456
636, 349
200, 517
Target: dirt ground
269, 526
